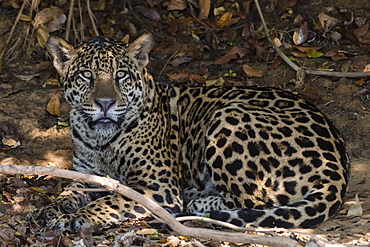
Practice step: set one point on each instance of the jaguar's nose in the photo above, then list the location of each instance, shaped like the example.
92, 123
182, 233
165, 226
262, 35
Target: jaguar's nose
105, 104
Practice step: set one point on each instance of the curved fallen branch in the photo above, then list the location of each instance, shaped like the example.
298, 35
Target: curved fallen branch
114, 185
270, 231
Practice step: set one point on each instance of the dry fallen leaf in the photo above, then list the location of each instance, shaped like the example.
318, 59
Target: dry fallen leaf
11, 3
277, 61
298, 20
216, 82
298, 54
310, 93
246, 5
149, 13
42, 36
126, 39
360, 92
277, 41
172, 241
362, 30
53, 106
339, 56
98, 5
252, 71
184, 238
25, 18
9, 142
224, 19
146, 231
219, 11
197, 78
360, 21
177, 5
106, 30
25, 77
331, 53
307, 48
355, 209
234, 53
360, 82
180, 60
178, 76
51, 82
46, 15
55, 24
367, 68
246, 32
204, 8
300, 35
327, 22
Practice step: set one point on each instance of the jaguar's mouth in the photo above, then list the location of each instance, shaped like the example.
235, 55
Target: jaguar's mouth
105, 120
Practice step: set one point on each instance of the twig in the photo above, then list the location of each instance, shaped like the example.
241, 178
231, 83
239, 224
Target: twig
69, 20
225, 224
294, 66
27, 41
86, 189
13, 28
91, 15
81, 22
13, 49
337, 74
114, 185
165, 65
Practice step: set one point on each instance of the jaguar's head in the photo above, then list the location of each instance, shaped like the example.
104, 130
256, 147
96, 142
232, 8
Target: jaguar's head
103, 79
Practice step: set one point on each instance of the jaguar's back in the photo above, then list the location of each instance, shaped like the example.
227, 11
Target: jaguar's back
242, 154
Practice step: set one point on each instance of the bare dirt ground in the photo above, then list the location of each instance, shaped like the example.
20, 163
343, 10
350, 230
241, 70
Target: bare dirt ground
44, 140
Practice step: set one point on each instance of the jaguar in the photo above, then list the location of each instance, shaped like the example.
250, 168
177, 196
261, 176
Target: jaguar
243, 155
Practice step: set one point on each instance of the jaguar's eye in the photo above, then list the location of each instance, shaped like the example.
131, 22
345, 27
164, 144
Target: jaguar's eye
87, 74
120, 74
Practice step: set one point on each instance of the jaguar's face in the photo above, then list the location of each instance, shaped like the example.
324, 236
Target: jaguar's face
103, 79
106, 86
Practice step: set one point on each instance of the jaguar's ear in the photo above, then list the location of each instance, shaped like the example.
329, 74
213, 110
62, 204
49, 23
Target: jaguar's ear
139, 49
61, 51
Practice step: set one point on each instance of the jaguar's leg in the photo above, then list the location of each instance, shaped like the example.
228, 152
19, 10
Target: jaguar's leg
102, 212
69, 201
116, 208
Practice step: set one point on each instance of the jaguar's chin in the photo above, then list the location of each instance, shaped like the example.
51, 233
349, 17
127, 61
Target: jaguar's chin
105, 126
103, 133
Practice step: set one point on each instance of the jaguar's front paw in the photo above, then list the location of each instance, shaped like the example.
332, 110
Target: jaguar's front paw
70, 223
39, 217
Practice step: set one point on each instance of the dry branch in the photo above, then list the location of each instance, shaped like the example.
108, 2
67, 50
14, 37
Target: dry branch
114, 185
320, 241
69, 20
92, 18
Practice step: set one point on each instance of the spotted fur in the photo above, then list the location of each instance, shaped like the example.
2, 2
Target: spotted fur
241, 154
